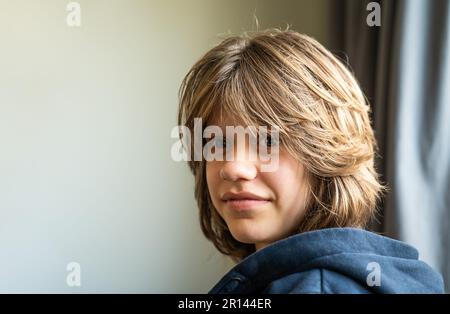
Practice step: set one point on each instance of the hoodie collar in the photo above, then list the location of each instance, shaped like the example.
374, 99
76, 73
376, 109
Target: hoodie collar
300, 253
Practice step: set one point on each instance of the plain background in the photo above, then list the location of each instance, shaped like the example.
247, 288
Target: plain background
85, 118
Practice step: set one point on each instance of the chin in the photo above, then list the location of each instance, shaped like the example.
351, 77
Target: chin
249, 233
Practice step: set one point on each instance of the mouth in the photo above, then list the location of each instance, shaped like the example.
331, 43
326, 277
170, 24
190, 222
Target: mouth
242, 205
244, 201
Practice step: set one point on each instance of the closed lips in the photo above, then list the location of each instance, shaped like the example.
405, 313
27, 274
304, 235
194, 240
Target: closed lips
244, 201
229, 196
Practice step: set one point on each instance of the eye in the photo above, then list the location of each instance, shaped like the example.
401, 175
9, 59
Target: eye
221, 142
269, 141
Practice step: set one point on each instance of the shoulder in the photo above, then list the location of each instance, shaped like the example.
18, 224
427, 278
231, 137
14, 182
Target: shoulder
315, 281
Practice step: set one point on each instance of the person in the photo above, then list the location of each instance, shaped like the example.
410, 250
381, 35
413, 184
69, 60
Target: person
300, 227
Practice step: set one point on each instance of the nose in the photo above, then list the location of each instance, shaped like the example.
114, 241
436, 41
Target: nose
238, 170
242, 167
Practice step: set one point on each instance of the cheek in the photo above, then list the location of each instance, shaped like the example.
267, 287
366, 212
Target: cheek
287, 182
212, 178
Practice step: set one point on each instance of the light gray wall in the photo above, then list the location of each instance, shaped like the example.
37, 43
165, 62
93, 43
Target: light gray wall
85, 121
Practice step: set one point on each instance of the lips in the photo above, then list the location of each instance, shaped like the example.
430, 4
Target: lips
244, 200
243, 196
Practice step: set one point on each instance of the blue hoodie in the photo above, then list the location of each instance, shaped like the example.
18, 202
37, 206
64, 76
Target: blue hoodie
335, 260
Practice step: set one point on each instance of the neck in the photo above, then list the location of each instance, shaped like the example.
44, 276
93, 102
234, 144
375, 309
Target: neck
259, 246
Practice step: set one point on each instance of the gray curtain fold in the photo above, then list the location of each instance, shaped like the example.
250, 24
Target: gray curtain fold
403, 67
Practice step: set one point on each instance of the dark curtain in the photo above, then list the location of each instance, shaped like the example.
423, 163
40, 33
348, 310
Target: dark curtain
403, 67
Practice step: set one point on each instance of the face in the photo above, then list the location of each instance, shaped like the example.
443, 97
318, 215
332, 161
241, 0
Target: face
258, 207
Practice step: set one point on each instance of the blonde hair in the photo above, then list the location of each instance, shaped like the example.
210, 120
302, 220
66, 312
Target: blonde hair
287, 79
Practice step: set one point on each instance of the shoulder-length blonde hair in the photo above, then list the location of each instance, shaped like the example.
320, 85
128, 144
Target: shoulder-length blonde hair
287, 79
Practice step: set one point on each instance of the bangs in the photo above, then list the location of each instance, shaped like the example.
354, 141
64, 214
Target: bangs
248, 97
